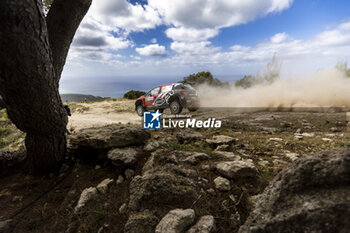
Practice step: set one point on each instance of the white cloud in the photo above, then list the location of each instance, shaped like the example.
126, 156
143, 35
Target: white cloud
93, 37
191, 34
193, 48
154, 40
124, 15
215, 14
279, 37
152, 50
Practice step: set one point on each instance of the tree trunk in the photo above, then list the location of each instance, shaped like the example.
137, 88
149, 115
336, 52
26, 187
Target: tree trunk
29, 83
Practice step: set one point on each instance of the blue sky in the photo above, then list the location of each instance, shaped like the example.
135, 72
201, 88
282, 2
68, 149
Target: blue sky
120, 38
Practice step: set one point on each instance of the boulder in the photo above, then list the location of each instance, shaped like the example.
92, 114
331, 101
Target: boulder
109, 136
222, 184
161, 187
86, 195
176, 221
206, 224
188, 135
218, 140
142, 222
123, 156
237, 169
310, 195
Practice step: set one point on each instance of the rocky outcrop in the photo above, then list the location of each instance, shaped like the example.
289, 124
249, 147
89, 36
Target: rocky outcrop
311, 195
107, 137
176, 221
206, 224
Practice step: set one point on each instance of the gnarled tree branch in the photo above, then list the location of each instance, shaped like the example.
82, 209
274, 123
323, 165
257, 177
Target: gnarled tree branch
63, 20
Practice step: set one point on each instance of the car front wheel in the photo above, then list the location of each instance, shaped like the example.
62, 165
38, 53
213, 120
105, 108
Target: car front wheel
175, 107
140, 110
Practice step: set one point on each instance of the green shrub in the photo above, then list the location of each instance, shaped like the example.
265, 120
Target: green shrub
134, 94
203, 78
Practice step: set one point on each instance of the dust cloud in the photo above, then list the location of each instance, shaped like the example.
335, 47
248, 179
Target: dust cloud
326, 88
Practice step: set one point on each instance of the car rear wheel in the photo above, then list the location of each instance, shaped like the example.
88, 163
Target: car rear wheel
140, 110
193, 109
175, 107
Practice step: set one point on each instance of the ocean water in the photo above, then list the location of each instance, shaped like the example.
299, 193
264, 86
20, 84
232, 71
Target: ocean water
116, 86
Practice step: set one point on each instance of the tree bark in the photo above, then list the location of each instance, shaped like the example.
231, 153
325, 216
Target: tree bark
63, 20
29, 82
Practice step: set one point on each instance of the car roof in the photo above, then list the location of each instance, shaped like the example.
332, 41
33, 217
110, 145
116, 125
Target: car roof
167, 85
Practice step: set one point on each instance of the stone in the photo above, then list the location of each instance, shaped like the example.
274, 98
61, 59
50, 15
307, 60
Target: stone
188, 135
123, 156
237, 169
223, 148
151, 146
310, 195
211, 192
292, 156
222, 184
141, 222
263, 163
86, 195
160, 187
276, 139
310, 135
107, 137
176, 221
218, 140
97, 167
123, 208
17, 198
298, 136
196, 158
104, 185
335, 130
206, 224
228, 155
120, 179
129, 174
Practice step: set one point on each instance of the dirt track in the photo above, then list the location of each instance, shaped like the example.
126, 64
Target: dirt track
85, 115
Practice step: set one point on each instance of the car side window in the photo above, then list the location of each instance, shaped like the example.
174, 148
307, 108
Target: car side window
178, 87
155, 91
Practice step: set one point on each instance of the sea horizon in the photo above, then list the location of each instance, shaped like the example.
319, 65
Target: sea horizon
118, 86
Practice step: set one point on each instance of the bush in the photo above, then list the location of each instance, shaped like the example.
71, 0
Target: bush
134, 94
202, 78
